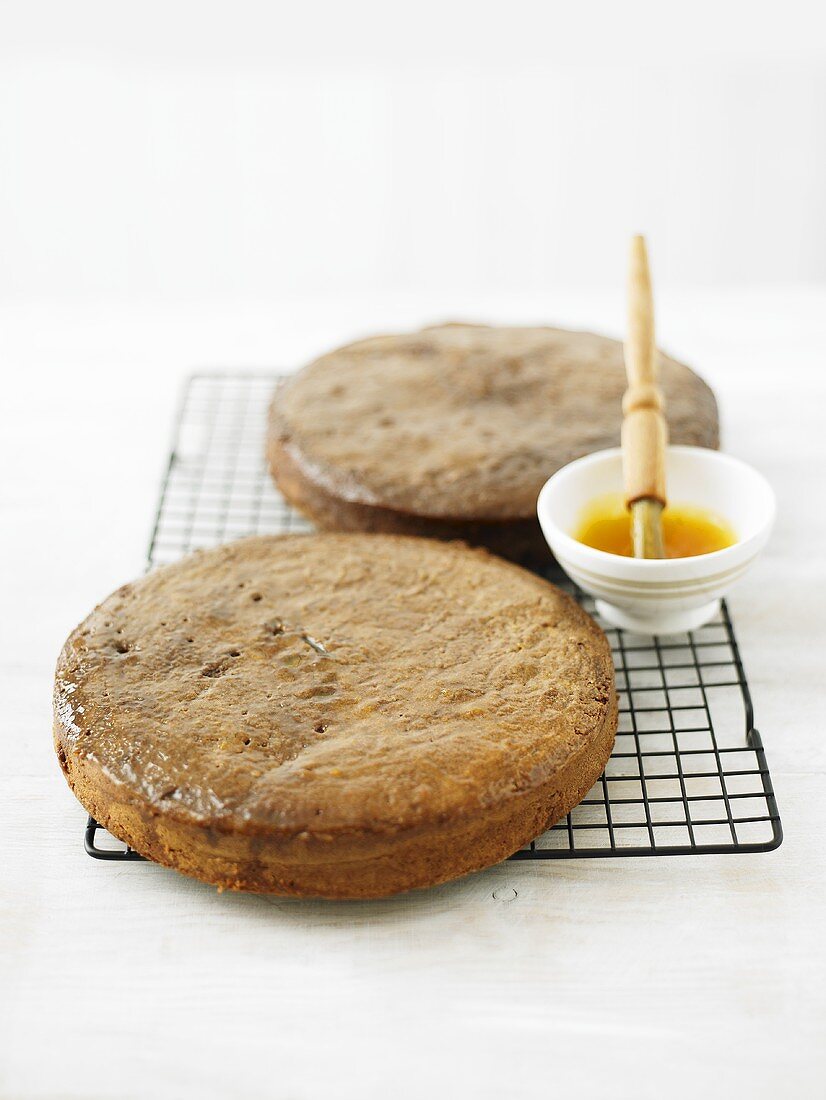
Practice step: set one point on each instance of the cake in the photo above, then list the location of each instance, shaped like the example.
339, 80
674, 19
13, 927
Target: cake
451, 432
334, 715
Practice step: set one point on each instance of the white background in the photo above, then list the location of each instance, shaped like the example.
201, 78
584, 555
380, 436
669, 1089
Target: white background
232, 151
232, 185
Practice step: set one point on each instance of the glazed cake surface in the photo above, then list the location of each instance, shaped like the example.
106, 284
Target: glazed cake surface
334, 715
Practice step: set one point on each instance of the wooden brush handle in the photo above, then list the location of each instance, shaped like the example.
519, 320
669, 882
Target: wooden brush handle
644, 434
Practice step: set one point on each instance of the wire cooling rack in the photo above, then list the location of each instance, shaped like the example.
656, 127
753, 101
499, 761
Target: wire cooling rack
688, 773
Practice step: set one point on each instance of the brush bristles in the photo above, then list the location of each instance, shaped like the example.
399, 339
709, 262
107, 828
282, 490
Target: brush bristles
647, 529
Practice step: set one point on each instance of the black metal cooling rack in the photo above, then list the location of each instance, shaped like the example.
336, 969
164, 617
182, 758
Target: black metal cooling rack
688, 773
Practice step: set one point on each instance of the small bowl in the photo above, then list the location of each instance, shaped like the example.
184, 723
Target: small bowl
671, 595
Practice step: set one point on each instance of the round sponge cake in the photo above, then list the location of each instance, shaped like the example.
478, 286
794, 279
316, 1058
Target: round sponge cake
451, 432
334, 715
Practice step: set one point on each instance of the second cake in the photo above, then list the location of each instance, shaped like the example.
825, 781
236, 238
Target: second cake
451, 432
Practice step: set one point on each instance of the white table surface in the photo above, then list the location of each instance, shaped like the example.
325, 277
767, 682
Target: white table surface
697, 976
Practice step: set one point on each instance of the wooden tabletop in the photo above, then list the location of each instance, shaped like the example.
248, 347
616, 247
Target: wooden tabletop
666, 977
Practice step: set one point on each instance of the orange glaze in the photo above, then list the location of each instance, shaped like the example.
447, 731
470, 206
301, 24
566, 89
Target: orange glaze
605, 524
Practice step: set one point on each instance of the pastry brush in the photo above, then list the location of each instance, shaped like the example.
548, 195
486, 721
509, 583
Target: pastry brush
644, 432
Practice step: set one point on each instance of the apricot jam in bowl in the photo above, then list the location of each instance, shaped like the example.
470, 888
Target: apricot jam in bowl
720, 519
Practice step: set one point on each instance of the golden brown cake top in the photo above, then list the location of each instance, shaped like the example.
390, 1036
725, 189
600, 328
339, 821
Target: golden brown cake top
332, 683
468, 421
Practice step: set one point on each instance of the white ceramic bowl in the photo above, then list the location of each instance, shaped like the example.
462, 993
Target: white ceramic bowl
674, 594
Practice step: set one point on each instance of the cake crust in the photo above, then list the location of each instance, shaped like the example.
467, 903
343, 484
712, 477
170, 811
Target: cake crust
451, 432
334, 715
